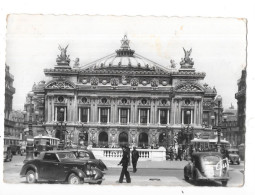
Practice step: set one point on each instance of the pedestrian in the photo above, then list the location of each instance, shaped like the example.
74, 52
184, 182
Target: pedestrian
135, 156
124, 162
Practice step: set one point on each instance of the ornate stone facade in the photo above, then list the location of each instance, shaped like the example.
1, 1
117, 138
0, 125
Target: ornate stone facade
125, 98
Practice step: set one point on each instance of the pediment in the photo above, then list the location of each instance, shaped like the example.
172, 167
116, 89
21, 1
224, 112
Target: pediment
189, 87
60, 84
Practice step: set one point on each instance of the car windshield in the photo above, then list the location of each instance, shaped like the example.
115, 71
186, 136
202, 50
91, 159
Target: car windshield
66, 155
211, 160
233, 152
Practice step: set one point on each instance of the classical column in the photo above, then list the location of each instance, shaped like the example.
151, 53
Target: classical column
173, 111
195, 112
65, 114
108, 115
55, 114
191, 117
79, 115
148, 116
128, 117
168, 116
99, 115
119, 115
138, 116
88, 115
182, 116
159, 116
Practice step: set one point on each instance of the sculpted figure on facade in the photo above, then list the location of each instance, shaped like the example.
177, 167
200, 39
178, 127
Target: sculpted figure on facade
187, 60
63, 57
173, 64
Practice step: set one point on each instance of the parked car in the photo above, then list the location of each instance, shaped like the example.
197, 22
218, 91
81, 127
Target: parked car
61, 166
88, 155
207, 166
233, 156
7, 154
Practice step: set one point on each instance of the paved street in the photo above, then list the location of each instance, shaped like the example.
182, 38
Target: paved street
163, 173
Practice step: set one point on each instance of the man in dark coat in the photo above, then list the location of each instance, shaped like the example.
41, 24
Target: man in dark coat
135, 156
124, 162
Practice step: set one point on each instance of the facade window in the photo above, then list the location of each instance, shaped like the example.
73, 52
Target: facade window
84, 115
60, 111
104, 115
163, 116
144, 117
123, 115
186, 115
206, 119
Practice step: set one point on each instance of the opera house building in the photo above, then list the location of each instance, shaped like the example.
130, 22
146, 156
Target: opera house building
122, 99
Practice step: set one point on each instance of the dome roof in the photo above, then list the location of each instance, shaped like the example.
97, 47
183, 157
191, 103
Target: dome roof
124, 58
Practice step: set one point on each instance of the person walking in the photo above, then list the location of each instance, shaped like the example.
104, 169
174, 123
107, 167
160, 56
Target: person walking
135, 156
124, 162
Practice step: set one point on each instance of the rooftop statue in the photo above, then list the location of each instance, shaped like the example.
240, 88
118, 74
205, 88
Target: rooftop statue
187, 62
76, 62
63, 58
173, 64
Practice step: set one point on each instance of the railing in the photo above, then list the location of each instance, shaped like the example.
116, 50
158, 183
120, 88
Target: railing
116, 154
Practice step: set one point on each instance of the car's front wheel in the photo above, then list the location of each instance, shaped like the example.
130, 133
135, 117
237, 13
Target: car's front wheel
74, 179
30, 176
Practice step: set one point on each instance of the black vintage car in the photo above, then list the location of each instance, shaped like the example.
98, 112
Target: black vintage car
233, 156
88, 155
207, 166
60, 166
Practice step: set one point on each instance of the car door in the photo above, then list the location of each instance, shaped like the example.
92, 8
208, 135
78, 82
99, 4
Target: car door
49, 167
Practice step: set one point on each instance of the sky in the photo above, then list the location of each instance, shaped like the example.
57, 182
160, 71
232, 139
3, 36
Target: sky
218, 45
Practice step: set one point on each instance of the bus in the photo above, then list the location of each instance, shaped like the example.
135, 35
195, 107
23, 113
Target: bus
209, 144
44, 143
13, 143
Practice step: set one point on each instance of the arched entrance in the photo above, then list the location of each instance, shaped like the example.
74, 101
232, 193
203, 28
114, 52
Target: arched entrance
123, 139
143, 140
103, 139
60, 134
161, 139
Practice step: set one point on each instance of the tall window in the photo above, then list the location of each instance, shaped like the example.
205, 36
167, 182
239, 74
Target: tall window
123, 115
187, 116
206, 119
103, 116
61, 113
144, 116
84, 114
163, 116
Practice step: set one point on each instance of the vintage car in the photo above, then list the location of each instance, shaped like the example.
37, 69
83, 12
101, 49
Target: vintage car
60, 166
7, 154
233, 156
207, 166
88, 155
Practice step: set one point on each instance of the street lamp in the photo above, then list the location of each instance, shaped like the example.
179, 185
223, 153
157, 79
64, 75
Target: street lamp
213, 120
218, 100
62, 142
30, 139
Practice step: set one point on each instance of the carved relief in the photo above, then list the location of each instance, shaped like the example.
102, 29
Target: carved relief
60, 85
134, 82
114, 81
188, 87
154, 82
94, 81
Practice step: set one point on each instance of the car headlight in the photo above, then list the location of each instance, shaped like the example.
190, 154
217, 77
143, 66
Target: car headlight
88, 172
94, 172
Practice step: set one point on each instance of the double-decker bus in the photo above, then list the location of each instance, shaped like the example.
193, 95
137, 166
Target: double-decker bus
45, 143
